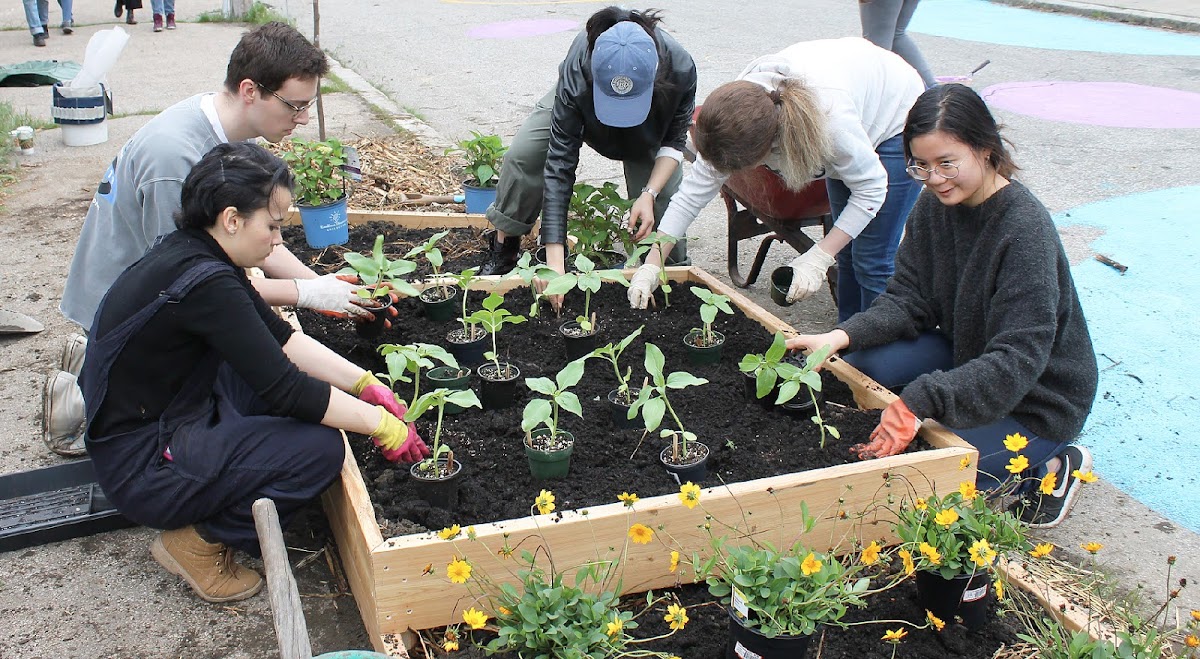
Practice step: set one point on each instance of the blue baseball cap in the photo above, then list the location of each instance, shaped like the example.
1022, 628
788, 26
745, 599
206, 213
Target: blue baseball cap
624, 63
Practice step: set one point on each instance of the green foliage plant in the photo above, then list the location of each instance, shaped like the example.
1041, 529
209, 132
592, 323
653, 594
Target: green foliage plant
540, 411
710, 304
587, 279
493, 318
463, 281
430, 251
763, 365
401, 360
654, 241
378, 273
483, 154
317, 167
652, 402
437, 399
595, 219
527, 270
612, 354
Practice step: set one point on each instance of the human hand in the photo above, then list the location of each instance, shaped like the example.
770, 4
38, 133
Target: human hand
556, 263
642, 286
808, 273
329, 293
641, 217
837, 340
896, 430
400, 442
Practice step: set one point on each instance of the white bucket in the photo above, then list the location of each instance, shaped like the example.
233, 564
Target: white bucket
81, 114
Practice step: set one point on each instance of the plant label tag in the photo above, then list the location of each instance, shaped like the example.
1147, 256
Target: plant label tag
974, 593
738, 601
745, 653
353, 164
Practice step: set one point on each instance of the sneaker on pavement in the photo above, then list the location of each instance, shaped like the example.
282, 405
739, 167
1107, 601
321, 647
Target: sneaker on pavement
63, 415
72, 354
158, 22
208, 567
170, 21
1045, 511
39, 40
68, 27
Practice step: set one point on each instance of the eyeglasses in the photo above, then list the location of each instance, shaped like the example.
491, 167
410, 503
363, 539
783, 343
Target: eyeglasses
296, 110
946, 170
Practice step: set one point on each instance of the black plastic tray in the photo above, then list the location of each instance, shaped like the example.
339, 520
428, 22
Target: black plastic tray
53, 504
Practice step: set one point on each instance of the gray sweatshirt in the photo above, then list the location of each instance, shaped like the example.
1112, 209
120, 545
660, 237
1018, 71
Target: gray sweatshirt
995, 279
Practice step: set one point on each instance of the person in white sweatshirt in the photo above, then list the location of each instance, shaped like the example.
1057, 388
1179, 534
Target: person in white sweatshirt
830, 109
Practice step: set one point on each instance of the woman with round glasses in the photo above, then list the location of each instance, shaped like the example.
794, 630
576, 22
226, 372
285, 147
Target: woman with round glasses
981, 328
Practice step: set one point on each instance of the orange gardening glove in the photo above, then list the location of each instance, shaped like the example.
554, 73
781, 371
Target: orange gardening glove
896, 430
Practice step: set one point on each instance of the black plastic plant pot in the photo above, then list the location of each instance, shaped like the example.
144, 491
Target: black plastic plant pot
553, 462
750, 384
440, 309
802, 405
699, 355
966, 596
608, 258
439, 487
497, 388
694, 466
372, 329
620, 409
448, 377
468, 351
577, 341
746, 642
781, 281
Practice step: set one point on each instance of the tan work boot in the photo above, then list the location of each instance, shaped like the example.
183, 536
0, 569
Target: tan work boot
72, 354
63, 415
207, 567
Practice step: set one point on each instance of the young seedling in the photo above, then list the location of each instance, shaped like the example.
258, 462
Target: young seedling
527, 271
540, 411
654, 241
434, 255
710, 304
653, 404
794, 376
378, 273
763, 366
587, 279
612, 354
438, 398
404, 359
463, 280
492, 317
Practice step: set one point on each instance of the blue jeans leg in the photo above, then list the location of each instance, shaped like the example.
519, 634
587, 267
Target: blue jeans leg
865, 265
162, 6
37, 14
67, 7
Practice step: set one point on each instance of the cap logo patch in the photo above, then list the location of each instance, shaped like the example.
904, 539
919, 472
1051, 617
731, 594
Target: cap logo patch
622, 85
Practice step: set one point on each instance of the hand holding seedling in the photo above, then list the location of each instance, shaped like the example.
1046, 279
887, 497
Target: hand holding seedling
331, 295
837, 340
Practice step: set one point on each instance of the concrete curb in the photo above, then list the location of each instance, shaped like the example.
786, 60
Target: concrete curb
395, 113
1118, 14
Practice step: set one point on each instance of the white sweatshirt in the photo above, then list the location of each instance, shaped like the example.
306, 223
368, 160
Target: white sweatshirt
867, 93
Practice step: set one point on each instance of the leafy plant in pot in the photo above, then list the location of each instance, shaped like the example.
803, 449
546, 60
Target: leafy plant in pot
704, 344
549, 447
686, 459
498, 378
654, 241
580, 334
411, 358
527, 270
620, 400
483, 154
320, 190
438, 297
469, 343
378, 275
440, 471
775, 380
594, 220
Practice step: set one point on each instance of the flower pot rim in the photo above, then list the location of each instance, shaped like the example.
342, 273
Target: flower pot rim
720, 336
543, 431
436, 371
466, 184
479, 371
343, 198
478, 329
702, 458
414, 471
435, 287
633, 392
562, 330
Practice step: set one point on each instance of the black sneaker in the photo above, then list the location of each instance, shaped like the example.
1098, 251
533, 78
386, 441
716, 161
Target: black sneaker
1045, 511
39, 40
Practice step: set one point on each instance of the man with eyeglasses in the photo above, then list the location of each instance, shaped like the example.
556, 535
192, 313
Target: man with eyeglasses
270, 83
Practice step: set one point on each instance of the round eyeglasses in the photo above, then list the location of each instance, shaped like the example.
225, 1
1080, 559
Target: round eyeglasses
946, 170
296, 109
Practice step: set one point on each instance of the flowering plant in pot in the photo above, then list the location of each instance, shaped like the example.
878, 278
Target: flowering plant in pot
704, 344
320, 190
499, 378
594, 220
549, 447
580, 334
483, 154
467, 344
438, 298
440, 471
620, 400
685, 458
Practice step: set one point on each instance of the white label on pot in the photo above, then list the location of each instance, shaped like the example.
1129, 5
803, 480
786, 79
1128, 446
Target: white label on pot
353, 164
974, 593
738, 601
744, 652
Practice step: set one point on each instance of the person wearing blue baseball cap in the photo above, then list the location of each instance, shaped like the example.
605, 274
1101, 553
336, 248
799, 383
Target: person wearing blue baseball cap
627, 89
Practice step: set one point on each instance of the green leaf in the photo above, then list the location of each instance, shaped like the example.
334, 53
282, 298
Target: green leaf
652, 413
654, 362
778, 348
570, 402
537, 412
570, 375
541, 385
560, 285
682, 380
787, 391
464, 398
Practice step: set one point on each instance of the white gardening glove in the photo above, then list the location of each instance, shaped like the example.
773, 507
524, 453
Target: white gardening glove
328, 293
808, 273
642, 286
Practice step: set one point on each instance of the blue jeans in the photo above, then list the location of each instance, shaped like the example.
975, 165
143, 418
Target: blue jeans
866, 264
37, 14
896, 364
163, 6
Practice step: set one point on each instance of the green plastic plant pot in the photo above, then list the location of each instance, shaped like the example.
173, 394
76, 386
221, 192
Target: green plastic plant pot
448, 377
439, 311
545, 465
781, 281
747, 642
701, 355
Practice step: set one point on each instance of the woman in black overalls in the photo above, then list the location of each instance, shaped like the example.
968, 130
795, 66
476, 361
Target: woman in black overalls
200, 400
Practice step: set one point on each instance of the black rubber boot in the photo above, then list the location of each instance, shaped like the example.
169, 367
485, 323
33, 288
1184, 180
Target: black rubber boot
502, 257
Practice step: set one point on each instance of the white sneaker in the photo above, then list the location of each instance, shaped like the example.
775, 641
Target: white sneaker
72, 354
63, 415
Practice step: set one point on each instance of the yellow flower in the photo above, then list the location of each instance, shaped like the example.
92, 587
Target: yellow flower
689, 494
1196, 616
1041, 551
870, 553
967, 490
613, 628
906, 556
1092, 547
470, 533
982, 553
1018, 464
931, 553
450, 646
937, 622
811, 565
1191, 641
544, 502
920, 504
1085, 476
641, 534
449, 533
964, 463
475, 619
999, 585
628, 499
1049, 482
676, 617
504, 610
1015, 442
674, 561
458, 570
894, 635
946, 517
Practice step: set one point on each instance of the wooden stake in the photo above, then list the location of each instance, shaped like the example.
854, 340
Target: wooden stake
317, 43
1111, 263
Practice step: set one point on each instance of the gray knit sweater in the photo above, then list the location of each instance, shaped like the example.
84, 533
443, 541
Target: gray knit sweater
995, 279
